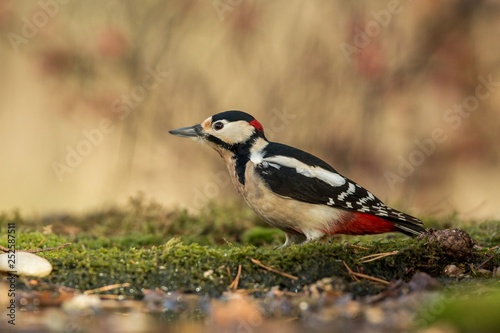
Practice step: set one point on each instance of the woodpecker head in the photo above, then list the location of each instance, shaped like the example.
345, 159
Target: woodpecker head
225, 131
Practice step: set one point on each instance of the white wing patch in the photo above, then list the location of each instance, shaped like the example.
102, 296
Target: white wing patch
266, 164
331, 178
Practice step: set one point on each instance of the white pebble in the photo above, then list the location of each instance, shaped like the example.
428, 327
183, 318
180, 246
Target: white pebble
25, 264
82, 304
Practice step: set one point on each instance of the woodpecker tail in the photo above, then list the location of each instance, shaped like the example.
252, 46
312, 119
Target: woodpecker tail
409, 228
406, 224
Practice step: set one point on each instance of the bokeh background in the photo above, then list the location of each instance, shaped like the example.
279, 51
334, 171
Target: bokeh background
362, 84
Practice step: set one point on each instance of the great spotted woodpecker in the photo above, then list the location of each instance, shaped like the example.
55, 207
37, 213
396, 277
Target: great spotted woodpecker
293, 190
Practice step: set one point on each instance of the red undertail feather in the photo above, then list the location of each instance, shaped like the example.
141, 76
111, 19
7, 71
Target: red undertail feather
362, 224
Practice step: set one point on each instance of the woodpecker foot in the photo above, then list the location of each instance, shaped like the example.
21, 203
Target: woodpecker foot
293, 238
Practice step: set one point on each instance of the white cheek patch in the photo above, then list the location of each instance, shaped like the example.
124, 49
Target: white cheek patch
236, 132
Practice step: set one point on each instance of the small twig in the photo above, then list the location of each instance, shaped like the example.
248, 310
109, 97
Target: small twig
359, 247
356, 275
272, 269
106, 288
350, 272
372, 278
4, 249
485, 262
117, 297
236, 281
377, 256
49, 248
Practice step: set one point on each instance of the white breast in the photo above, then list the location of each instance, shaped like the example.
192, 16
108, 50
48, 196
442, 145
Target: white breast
285, 213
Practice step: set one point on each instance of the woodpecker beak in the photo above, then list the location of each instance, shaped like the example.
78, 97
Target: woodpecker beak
187, 132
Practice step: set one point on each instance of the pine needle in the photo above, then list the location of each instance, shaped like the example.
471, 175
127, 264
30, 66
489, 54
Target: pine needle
272, 269
236, 281
377, 256
356, 275
106, 288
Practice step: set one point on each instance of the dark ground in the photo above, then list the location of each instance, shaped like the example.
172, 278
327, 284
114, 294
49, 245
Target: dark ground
218, 270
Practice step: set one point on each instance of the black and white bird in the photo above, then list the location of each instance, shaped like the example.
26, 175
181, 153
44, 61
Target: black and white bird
293, 190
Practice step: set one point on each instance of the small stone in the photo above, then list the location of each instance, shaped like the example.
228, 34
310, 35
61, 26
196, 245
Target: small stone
82, 305
453, 270
374, 315
484, 272
24, 264
422, 281
351, 309
208, 274
496, 272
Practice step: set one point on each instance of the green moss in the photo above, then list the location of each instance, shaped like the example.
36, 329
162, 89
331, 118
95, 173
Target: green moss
259, 236
453, 308
151, 247
487, 233
195, 268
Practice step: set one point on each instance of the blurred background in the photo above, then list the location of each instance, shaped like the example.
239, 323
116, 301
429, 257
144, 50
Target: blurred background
401, 96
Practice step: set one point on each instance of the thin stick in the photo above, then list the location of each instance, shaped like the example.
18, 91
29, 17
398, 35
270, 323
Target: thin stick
118, 297
49, 248
350, 272
485, 262
5, 249
355, 275
236, 281
359, 247
372, 278
106, 288
272, 269
377, 256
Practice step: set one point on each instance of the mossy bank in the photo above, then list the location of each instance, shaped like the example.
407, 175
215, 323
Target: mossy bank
149, 247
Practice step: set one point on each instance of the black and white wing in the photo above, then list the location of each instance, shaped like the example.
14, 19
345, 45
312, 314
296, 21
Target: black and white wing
292, 173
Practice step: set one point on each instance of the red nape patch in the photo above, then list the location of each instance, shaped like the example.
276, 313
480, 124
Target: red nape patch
257, 125
362, 224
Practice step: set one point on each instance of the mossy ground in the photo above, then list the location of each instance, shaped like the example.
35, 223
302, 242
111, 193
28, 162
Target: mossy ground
150, 247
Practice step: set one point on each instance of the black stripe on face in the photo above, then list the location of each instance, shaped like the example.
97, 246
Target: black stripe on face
219, 142
241, 153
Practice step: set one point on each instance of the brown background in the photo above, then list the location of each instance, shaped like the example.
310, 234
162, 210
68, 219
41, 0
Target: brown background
66, 67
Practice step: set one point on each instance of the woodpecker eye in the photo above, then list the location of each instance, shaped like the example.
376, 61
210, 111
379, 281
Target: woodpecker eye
218, 126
